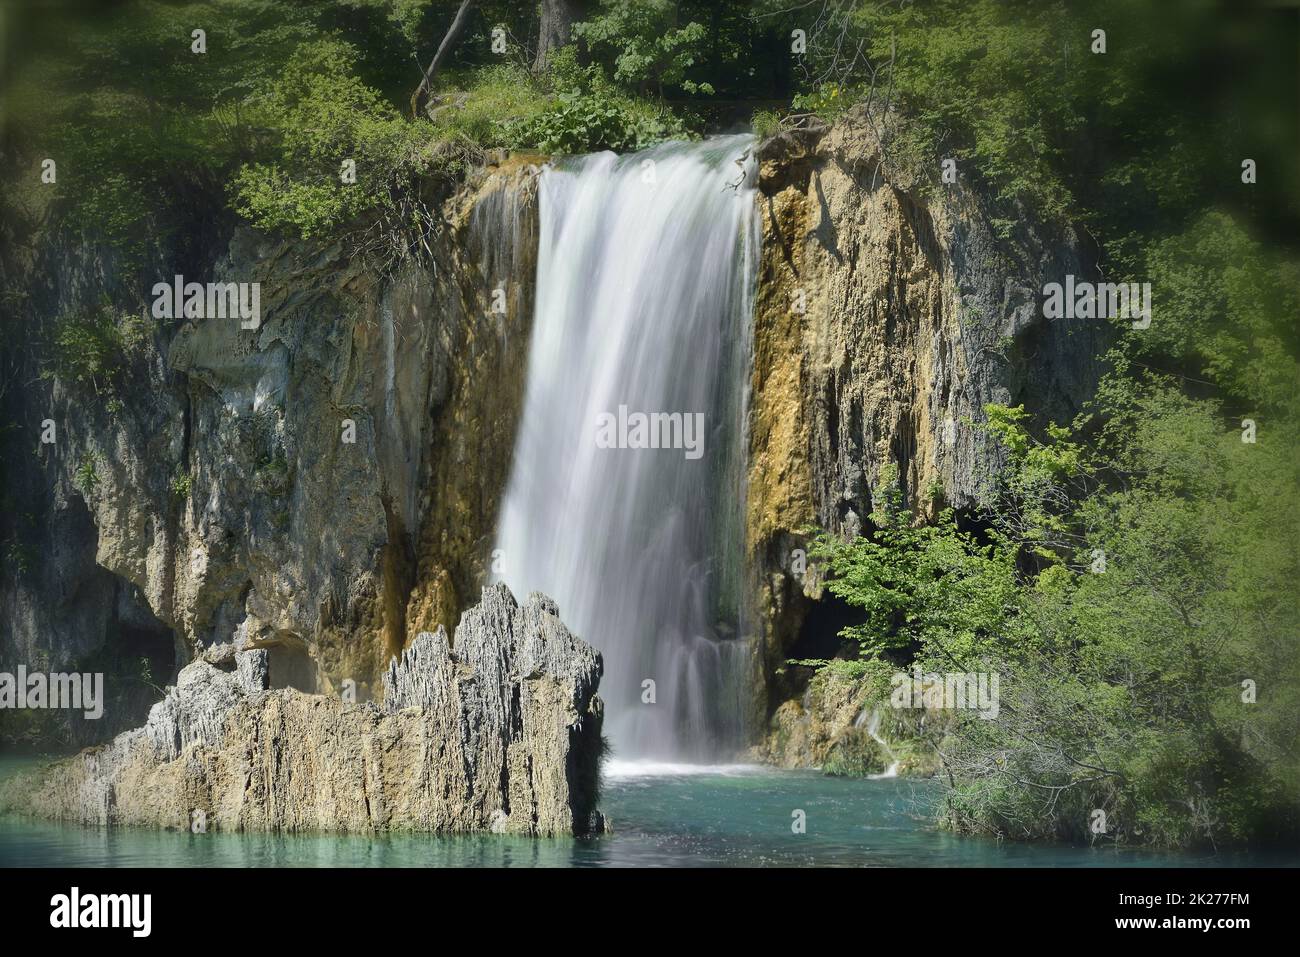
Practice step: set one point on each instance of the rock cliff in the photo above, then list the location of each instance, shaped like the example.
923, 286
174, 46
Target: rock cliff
886, 318
501, 733
324, 485
208, 496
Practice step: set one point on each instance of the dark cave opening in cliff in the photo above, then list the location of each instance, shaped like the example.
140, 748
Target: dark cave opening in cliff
819, 634
818, 637
291, 666
138, 661
152, 648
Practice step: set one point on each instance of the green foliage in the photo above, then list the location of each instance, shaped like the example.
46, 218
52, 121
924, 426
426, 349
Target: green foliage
765, 123
86, 477
1124, 683
586, 122
180, 487
484, 106
132, 116
325, 115
1121, 690
94, 347
986, 82
144, 130
272, 475
851, 668
1121, 681
1013, 91
1226, 311
409, 18
856, 755
1032, 502
827, 100
928, 586
589, 113
650, 50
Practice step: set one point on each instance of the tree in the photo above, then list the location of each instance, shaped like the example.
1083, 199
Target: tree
556, 28
421, 94
649, 49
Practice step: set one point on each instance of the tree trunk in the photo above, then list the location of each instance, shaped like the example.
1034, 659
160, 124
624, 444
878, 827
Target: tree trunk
558, 18
421, 94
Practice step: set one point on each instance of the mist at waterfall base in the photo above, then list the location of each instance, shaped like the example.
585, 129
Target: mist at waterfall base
645, 276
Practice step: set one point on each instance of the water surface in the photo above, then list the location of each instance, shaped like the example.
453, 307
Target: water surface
663, 815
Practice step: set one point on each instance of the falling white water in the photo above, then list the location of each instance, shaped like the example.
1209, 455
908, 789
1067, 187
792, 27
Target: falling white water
872, 722
645, 276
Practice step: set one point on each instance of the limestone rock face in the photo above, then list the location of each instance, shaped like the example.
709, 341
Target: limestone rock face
841, 725
324, 485
886, 318
806, 730
891, 317
502, 733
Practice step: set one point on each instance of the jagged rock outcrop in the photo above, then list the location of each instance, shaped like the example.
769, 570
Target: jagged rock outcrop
501, 732
886, 318
807, 729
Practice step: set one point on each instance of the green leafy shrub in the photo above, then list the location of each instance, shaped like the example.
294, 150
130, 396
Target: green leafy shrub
481, 107
323, 115
765, 123
589, 114
139, 125
86, 477
272, 475
931, 586
650, 50
856, 755
1125, 687
587, 122
93, 347
827, 100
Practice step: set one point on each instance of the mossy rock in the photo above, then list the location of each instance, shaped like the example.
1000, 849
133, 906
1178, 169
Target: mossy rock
855, 755
916, 759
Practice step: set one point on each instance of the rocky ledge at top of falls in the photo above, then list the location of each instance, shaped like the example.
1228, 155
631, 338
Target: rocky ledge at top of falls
501, 733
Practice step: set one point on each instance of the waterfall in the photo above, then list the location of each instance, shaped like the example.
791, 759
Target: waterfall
872, 721
641, 337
